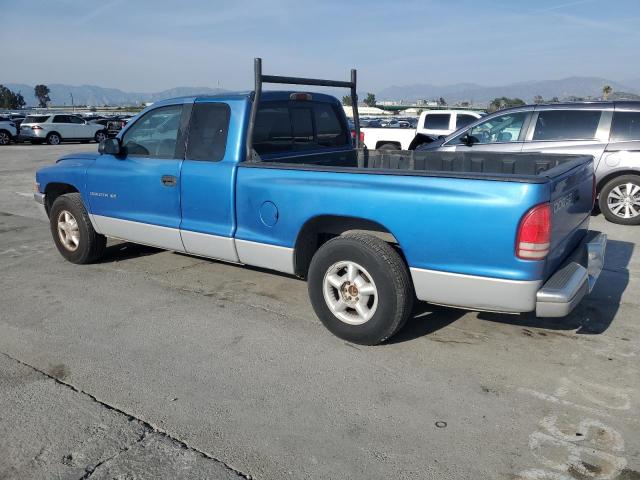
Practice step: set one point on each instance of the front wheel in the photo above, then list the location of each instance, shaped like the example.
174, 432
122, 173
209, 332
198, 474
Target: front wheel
72, 231
360, 288
620, 200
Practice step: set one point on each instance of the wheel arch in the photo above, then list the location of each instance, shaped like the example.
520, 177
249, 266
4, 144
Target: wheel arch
617, 173
317, 230
55, 189
420, 139
381, 143
56, 132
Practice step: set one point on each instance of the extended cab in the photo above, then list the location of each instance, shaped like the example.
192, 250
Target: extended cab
431, 125
271, 179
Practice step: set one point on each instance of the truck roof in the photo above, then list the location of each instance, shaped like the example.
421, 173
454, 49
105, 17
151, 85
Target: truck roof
268, 95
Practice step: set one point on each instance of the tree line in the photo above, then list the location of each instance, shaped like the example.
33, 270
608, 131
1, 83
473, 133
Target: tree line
11, 100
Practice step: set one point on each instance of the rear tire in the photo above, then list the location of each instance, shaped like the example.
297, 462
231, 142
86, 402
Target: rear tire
5, 137
100, 136
619, 200
72, 231
360, 288
54, 139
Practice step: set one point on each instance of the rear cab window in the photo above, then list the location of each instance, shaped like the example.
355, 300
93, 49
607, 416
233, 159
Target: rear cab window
437, 121
295, 126
557, 125
625, 126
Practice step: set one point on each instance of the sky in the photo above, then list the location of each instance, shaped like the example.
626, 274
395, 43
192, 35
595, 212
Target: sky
148, 46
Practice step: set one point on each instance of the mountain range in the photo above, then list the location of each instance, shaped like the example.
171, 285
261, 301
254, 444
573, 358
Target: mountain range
567, 87
572, 86
60, 94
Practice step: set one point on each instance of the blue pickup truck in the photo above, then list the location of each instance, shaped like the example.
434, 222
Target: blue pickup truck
276, 180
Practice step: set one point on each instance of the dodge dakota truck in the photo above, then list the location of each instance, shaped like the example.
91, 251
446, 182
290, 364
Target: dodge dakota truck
273, 179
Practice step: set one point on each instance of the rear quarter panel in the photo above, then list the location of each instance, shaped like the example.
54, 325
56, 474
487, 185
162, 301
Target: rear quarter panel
449, 224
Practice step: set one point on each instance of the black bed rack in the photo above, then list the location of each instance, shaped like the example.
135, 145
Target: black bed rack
260, 79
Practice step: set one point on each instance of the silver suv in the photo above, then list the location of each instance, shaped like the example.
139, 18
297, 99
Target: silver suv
54, 129
610, 131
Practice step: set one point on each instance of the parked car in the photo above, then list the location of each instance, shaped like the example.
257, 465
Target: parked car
431, 124
58, 128
114, 125
271, 179
8, 131
610, 131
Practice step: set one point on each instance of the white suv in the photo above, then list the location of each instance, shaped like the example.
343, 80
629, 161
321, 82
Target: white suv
8, 131
57, 128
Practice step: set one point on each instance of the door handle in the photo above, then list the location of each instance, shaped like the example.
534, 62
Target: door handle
169, 180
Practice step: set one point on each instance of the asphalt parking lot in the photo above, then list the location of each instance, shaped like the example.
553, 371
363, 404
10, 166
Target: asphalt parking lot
154, 364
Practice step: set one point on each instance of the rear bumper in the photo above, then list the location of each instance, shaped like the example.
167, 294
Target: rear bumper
554, 298
568, 286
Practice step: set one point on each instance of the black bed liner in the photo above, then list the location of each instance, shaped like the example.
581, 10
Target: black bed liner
514, 167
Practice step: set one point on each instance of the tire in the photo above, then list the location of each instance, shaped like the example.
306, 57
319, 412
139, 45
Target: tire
54, 139
100, 136
619, 200
5, 137
379, 269
388, 146
76, 240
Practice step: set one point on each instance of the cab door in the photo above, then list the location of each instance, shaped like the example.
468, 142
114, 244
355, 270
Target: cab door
136, 196
208, 179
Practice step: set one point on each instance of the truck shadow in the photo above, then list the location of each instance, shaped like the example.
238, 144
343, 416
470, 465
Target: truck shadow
597, 310
592, 316
119, 251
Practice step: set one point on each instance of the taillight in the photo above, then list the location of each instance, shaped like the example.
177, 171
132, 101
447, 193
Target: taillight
534, 233
36, 127
353, 135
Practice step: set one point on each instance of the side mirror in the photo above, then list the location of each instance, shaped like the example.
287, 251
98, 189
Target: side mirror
110, 146
468, 140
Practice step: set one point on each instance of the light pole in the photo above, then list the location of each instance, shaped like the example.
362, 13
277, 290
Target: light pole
72, 105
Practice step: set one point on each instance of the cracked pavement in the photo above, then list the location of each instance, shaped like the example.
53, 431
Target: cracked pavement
153, 364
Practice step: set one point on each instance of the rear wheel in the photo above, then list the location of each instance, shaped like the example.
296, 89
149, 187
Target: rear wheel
620, 200
72, 231
100, 136
53, 139
5, 137
360, 288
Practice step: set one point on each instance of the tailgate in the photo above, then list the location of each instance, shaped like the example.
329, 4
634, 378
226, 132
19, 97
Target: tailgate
571, 204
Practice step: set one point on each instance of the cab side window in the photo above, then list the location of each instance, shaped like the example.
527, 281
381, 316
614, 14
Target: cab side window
437, 121
61, 119
463, 120
155, 134
74, 119
208, 130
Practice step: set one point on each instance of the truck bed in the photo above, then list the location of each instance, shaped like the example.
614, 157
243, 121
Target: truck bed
519, 167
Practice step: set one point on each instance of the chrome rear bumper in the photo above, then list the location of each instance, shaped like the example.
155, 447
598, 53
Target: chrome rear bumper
568, 286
